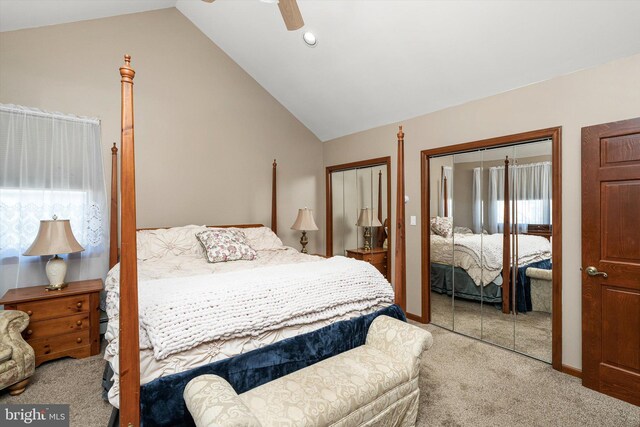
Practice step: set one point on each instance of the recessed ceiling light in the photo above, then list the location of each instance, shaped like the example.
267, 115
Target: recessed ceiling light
269, 1
310, 39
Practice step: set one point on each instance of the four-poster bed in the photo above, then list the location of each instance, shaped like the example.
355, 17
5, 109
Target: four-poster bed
159, 402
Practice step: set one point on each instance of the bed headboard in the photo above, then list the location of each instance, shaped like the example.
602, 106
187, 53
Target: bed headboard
114, 252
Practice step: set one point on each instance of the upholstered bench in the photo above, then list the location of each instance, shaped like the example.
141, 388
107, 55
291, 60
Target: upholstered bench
541, 289
374, 384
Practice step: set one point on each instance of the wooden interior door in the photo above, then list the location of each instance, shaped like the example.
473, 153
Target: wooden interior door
611, 259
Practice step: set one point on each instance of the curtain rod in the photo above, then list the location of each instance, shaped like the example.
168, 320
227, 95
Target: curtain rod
11, 108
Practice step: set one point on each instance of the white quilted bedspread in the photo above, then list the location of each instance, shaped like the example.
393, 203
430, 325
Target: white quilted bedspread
481, 255
181, 267
248, 303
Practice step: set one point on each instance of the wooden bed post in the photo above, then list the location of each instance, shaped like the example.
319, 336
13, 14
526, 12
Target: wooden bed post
129, 340
380, 196
274, 199
446, 194
506, 243
400, 256
113, 232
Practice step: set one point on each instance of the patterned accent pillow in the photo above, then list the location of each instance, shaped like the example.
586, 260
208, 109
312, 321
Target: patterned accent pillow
222, 245
442, 226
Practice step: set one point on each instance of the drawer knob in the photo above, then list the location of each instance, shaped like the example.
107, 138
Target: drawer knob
79, 305
79, 323
78, 340
29, 332
29, 312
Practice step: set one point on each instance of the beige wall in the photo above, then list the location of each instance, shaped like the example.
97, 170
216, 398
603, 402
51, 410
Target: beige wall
206, 132
602, 94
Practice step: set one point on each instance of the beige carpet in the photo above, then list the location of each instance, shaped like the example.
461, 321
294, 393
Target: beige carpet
464, 383
77, 382
528, 333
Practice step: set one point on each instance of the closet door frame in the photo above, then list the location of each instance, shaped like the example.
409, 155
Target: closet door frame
553, 133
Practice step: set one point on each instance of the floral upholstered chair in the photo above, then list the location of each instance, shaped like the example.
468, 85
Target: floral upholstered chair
17, 360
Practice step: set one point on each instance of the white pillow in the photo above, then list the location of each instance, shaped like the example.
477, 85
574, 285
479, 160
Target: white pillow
462, 230
173, 241
262, 239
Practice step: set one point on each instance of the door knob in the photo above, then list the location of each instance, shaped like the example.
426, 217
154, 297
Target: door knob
592, 271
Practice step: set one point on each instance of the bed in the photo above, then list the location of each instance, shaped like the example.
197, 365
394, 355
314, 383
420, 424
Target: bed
173, 315
472, 265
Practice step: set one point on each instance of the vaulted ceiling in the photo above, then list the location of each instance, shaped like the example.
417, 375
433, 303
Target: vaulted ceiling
378, 62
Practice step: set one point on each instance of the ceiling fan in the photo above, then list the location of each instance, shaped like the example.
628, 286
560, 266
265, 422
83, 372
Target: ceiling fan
290, 13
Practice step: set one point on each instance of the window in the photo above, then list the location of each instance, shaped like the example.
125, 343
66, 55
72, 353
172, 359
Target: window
50, 164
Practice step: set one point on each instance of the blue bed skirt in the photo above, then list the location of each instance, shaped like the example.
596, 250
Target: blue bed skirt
161, 402
442, 280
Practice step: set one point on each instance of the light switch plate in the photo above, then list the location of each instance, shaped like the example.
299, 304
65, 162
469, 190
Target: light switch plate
413, 220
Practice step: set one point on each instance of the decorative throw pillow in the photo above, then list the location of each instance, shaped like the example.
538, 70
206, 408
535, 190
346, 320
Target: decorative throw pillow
222, 245
163, 242
262, 239
442, 226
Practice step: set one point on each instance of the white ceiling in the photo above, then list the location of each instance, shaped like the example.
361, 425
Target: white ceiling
379, 62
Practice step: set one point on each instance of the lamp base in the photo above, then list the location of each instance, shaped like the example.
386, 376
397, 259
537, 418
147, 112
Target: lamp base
56, 270
367, 239
303, 241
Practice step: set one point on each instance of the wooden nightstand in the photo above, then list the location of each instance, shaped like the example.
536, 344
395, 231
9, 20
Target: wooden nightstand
374, 256
61, 323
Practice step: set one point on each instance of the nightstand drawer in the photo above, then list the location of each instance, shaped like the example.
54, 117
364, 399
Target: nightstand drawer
56, 307
59, 326
45, 346
375, 258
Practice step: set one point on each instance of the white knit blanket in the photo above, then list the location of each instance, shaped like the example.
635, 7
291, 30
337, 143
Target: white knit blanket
481, 255
181, 313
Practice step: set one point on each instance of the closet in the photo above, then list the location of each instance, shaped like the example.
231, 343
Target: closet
491, 249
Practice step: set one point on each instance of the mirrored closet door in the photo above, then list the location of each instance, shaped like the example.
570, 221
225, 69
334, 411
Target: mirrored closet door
490, 243
358, 206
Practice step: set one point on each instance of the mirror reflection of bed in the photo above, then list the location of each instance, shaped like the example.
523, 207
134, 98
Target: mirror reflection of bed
469, 246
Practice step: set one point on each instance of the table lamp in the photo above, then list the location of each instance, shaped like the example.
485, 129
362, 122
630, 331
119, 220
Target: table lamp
54, 237
304, 222
367, 220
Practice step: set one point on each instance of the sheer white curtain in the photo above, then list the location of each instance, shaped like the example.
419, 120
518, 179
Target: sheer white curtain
447, 172
50, 164
531, 188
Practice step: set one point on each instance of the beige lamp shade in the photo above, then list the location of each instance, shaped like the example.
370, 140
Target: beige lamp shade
54, 237
367, 219
304, 221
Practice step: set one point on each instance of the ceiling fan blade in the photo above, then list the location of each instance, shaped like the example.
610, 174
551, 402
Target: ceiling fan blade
291, 14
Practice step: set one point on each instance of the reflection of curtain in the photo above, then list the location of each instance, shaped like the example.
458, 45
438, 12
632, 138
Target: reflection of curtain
50, 164
531, 188
447, 172
476, 206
